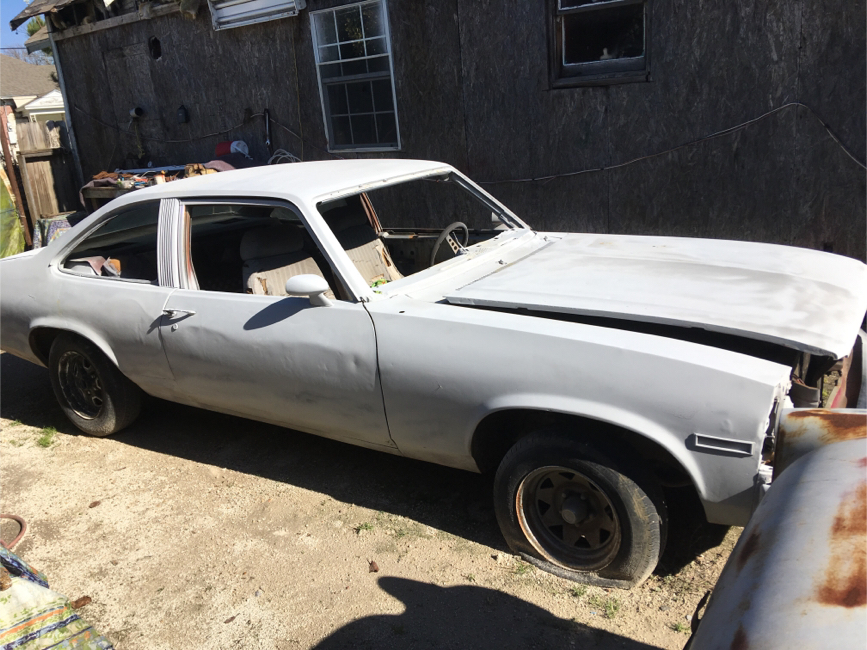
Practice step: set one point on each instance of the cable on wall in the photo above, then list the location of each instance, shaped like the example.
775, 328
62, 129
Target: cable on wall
718, 134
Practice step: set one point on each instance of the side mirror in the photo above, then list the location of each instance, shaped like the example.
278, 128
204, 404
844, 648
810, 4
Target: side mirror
312, 286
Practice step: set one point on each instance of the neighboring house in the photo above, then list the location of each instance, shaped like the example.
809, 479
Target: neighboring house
48, 107
21, 83
507, 92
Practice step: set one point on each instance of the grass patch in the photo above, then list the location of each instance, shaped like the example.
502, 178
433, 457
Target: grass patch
609, 606
680, 627
522, 568
578, 592
16, 423
362, 527
47, 437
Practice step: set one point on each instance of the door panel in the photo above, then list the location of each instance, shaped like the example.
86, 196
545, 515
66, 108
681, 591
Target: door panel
278, 359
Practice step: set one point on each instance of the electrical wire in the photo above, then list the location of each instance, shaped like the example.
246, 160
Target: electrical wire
288, 130
202, 137
283, 156
718, 134
146, 137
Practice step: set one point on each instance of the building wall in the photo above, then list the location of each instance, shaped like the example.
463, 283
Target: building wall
473, 90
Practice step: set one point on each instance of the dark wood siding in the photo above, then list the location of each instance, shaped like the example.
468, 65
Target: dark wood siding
473, 89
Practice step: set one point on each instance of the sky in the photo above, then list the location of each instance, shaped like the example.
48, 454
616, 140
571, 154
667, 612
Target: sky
8, 10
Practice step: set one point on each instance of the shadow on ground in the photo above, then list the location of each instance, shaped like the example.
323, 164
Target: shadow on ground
467, 617
451, 500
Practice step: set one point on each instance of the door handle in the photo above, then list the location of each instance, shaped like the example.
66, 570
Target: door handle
173, 313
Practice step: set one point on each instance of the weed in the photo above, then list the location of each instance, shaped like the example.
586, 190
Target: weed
16, 443
578, 592
15, 423
612, 606
364, 526
47, 437
523, 568
470, 577
680, 627
608, 605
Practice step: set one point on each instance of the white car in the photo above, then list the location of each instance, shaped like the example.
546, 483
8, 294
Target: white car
586, 370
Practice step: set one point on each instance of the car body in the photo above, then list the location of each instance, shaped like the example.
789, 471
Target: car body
667, 359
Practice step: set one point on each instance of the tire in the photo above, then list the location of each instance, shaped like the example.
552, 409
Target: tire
571, 511
94, 394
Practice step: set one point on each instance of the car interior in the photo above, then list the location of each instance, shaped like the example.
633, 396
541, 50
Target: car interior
255, 248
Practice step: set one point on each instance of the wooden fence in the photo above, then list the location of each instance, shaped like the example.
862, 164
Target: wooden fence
47, 169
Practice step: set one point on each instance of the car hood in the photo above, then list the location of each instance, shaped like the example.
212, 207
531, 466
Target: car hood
799, 298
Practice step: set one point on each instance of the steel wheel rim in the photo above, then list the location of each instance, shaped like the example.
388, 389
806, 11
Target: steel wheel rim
80, 385
547, 498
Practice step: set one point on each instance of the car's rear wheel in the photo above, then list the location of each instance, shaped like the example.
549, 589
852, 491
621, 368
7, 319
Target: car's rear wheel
571, 511
94, 394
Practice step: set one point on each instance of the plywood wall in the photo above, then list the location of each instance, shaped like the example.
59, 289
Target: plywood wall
473, 90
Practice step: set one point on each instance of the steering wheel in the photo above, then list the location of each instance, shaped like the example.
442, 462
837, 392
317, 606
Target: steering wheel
446, 235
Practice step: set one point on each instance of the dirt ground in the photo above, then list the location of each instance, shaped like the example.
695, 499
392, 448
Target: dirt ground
198, 530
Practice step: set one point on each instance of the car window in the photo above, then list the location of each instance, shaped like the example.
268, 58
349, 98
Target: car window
394, 231
252, 248
122, 248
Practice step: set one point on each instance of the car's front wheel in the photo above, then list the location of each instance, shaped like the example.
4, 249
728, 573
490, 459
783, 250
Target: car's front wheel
93, 393
570, 510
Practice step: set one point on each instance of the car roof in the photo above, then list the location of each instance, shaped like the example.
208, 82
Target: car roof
306, 181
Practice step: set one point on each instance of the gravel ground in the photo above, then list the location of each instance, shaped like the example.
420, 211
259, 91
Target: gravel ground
198, 530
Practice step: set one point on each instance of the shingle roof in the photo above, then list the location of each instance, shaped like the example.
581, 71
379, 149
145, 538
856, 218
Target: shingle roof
19, 78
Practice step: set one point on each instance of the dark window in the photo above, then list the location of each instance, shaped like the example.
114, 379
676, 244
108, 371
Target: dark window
599, 42
122, 248
353, 60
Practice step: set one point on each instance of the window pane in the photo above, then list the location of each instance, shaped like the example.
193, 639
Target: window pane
330, 70
602, 35
355, 67
340, 128
124, 247
379, 64
387, 128
348, 24
337, 99
376, 46
363, 130
372, 14
360, 98
351, 50
329, 53
325, 33
382, 100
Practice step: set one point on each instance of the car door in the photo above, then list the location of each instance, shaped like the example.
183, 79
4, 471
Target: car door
109, 290
273, 358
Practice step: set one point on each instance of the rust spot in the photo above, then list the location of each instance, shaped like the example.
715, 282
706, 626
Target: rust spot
835, 425
740, 641
863, 462
749, 548
844, 582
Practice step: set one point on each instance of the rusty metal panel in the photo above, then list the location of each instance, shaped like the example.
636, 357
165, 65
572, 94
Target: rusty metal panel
798, 576
803, 430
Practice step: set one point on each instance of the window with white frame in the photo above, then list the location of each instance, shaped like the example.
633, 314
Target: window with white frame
353, 62
599, 41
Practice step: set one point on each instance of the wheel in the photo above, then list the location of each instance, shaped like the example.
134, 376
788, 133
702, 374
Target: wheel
571, 511
93, 393
446, 235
